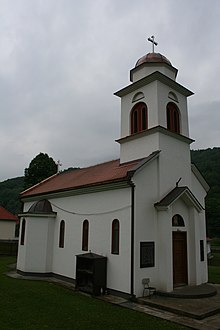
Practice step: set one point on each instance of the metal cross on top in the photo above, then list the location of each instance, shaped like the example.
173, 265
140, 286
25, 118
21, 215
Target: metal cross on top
151, 39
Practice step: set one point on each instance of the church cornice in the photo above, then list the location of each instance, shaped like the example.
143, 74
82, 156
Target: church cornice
153, 130
149, 79
38, 215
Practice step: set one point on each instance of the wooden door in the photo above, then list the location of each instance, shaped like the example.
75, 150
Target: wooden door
180, 274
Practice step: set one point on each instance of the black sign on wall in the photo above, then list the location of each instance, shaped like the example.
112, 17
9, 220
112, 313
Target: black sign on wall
147, 254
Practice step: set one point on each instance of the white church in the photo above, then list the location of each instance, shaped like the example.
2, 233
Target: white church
109, 226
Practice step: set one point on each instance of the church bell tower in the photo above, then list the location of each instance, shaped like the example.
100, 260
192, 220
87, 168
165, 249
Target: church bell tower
153, 110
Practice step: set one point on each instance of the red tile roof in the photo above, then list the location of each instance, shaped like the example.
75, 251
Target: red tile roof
107, 172
6, 215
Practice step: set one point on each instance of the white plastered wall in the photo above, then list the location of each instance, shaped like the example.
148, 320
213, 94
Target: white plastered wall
100, 209
147, 69
152, 225
146, 193
174, 164
35, 255
7, 229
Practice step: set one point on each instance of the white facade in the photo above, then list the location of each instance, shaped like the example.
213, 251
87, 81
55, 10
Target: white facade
162, 186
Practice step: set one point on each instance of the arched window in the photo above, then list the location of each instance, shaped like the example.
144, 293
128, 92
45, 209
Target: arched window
23, 226
173, 121
85, 235
177, 221
139, 118
115, 236
173, 96
138, 96
62, 234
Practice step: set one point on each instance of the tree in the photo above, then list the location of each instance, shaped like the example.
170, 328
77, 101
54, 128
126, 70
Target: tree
40, 168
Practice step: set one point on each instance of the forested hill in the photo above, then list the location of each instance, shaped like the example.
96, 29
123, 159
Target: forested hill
9, 194
207, 161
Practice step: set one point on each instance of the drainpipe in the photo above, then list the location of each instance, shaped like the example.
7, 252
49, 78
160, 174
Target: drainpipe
132, 185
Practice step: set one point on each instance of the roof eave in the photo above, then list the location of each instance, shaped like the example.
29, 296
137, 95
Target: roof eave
38, 184
142, 163
39, 214
149, 79
200, 177
107, 185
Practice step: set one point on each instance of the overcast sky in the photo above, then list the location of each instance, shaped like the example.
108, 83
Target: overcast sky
62, 60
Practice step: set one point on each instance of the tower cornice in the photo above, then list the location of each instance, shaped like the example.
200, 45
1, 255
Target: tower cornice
149, 79
153, 130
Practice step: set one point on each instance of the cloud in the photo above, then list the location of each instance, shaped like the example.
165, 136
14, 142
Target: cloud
61, 62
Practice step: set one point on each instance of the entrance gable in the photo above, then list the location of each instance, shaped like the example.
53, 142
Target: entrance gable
178, 192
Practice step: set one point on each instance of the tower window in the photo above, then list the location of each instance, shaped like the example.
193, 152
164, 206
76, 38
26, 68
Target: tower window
173, 122
139, 118
173, 97
138, 96
85, 235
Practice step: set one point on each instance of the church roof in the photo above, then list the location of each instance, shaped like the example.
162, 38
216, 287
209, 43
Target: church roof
108, 172
6, 215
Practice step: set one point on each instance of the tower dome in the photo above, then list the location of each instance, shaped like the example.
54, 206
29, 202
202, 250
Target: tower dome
41, 206
150, 63
153, 58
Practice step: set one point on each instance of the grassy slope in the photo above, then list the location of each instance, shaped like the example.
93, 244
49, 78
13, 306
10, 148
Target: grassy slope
40, 305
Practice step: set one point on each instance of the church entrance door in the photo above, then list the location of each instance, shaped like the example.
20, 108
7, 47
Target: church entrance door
179, 259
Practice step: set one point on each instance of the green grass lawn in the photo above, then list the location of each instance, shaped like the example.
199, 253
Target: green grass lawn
30, 305
214, 268
214, 274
